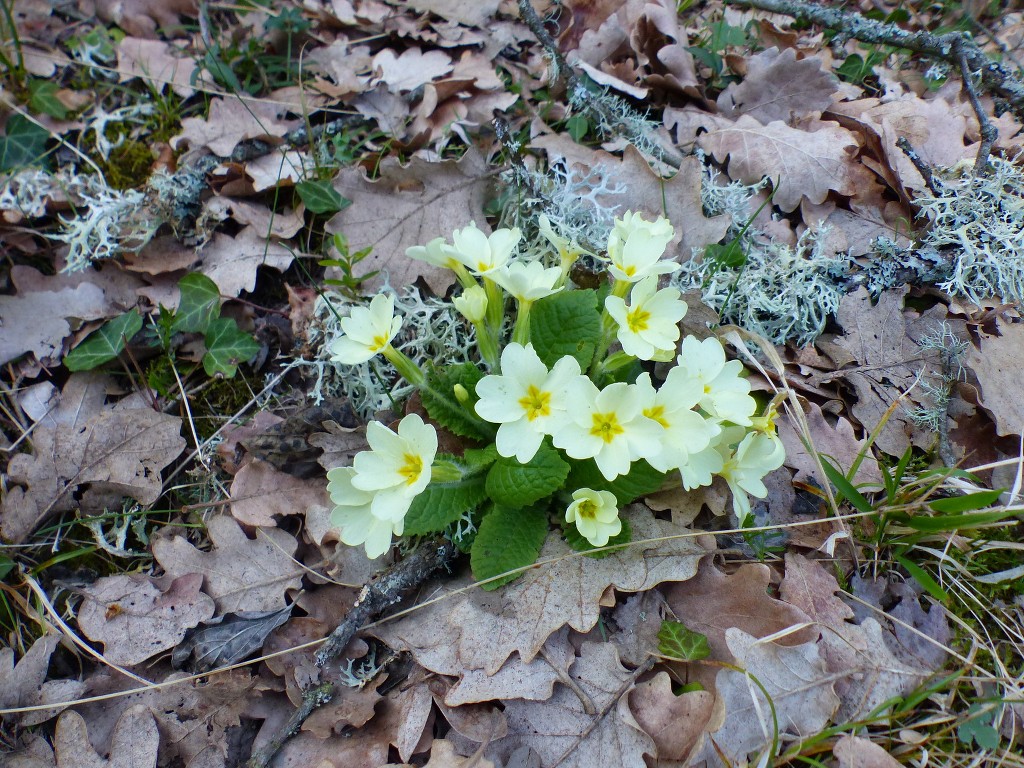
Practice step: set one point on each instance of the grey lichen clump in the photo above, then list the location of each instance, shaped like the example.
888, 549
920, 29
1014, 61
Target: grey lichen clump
981, 220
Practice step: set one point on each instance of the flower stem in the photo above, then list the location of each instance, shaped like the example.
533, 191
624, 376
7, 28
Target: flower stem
521, 333
487, 343
405, 366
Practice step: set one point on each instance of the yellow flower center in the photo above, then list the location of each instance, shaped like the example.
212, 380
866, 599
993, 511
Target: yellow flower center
482, 266
412, 468
587, 509
657, 413
637, 319
536, 403
380, 341
606, 426
630, 270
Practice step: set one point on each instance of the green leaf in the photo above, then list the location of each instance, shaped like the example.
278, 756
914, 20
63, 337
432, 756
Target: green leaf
199, 304
105, 343
567, 323
945, 523
438, 396
43, 98
515, 485
641, 479
507, 539
6, 565
226, 347
23, 144
971, 501
577, 125
575, 539
321, 197
975, 730
678, 642
441, 504
844, 487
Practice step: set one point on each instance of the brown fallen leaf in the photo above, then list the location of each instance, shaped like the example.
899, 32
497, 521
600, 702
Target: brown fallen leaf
25, 685
232, 262
406, 206
410, 70
143, 18
994, 362
38, 322
135, 620
231, 120
84, 446
260, 494
805, 163
858, 752
239, 573
836, 442
443, 755
478, 630
155, 63
568, 728
675, 722
796, 679
135, 743
476, 14
779, 87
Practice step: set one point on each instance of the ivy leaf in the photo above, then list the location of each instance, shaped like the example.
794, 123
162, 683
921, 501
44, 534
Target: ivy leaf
438, 396
507, 539
43, 98
441, 504
515, 485
226, 347
575, 539
641, 479
23, 144
566, 323
199, 305
105, 343
321, 197
678, 642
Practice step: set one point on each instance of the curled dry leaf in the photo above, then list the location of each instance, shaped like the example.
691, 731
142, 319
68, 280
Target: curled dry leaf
135, 620
239, 573
83, 445
260, 494
675, 722
24, 684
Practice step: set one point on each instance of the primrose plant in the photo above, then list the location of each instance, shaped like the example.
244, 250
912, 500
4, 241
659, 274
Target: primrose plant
558, 418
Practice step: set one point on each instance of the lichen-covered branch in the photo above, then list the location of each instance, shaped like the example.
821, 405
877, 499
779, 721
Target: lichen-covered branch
953, 47
376, 597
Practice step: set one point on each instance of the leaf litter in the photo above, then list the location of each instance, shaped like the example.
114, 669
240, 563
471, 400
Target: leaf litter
561, 666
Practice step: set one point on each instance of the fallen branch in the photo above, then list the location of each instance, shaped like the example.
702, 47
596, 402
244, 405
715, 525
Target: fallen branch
376, 597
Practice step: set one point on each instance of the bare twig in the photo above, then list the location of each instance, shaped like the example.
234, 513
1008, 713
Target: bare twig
375, 597
989, 133
922, 167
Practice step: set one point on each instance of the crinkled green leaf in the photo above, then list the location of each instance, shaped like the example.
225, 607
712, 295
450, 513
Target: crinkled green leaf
321, 197
507, 539
641, 479
441, 504
575, 540
512, 484
443, 407
567, 323
23, 144
199, 304
226, 347
678, 642
105, 343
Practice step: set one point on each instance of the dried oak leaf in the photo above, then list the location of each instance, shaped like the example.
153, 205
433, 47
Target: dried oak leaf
38, 321
836, 442
232, 262
779, 87
260, 493
677, 198
675, 722
996, 364
858, 752
561, 730
411, 70
135, 743
154, 62
857, 656
478, 630
22, 684
475, 14
142, 18
444, 755
239, 573
795, 678
410, 205
230, 121
805, 163
82, 445
135, 620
